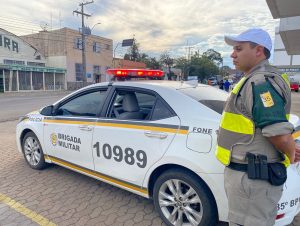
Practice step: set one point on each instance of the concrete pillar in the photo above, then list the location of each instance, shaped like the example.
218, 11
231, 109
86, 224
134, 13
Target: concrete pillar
44, 88
10, 80
31, 86
65, 79
54, 79
3, 72
18, 84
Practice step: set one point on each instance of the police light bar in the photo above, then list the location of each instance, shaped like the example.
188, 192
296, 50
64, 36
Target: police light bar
134, 73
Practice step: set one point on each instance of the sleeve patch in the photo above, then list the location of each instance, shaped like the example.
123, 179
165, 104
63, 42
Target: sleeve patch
267, 99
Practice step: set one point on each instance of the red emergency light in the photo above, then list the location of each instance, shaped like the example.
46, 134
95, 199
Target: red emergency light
135, 73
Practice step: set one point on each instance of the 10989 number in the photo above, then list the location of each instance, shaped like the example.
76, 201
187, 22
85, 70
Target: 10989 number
118, 154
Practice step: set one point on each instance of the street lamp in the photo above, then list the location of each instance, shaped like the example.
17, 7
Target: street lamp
94, 26
125, 42
115, 53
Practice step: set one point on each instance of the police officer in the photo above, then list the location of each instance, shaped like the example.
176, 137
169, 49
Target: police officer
254, 132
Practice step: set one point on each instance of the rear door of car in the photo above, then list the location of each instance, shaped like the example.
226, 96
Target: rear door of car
124, 147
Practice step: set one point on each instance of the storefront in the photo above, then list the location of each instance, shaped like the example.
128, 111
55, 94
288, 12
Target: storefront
24, 68
28, 78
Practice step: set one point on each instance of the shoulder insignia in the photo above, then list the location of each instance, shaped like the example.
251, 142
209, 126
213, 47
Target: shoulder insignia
267, 99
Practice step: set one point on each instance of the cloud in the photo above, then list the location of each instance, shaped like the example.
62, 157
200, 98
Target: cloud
158, 26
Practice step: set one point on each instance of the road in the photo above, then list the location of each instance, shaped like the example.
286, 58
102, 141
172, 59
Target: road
57, 196
17, 104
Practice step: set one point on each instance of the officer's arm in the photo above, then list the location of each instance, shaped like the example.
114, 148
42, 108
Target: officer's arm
269, 115
285, 144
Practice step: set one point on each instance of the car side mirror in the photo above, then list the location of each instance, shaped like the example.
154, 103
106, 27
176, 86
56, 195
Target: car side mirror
47, 111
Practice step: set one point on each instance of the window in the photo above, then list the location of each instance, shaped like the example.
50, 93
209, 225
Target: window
107, 47
210, 97
96, 47
78, 43
78, 72
96, 69
36, 64
161, 111
5, 61
129, 105
87, 105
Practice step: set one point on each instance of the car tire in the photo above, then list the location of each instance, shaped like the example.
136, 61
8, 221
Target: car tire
182, 198
33, 152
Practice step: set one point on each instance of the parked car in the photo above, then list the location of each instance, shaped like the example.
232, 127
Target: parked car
213, 81
153, 138
294, 86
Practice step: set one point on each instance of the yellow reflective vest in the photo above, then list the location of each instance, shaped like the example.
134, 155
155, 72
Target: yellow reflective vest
236, 128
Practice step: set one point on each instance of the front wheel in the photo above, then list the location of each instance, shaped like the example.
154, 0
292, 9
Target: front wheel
33, 152
182, 198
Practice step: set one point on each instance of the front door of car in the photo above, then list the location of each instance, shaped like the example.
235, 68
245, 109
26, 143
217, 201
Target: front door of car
136, 132
68, 134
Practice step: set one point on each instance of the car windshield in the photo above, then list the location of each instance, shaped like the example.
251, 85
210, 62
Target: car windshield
211, 97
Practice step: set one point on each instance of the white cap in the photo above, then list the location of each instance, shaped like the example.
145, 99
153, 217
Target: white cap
255, 35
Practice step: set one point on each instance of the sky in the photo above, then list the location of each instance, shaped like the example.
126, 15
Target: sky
173, 26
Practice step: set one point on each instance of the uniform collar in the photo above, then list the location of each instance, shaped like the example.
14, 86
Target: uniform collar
259, 67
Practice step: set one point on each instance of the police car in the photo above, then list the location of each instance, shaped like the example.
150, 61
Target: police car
154, 138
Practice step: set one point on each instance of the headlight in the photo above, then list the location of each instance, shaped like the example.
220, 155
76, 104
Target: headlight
22, 118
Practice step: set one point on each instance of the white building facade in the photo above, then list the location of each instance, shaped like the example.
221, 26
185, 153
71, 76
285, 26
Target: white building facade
286, 63
24, 68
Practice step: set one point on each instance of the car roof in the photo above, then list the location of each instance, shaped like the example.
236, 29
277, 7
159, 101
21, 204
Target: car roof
147, 84
153, 83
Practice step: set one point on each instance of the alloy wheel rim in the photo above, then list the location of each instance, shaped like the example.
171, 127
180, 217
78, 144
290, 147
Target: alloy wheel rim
32, 151
180, 203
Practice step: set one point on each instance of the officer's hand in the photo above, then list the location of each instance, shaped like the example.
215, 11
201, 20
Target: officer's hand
297, 153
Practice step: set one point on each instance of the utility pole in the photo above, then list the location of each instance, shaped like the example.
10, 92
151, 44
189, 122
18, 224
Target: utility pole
83, 37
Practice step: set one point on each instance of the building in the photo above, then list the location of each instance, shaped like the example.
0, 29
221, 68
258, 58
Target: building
289, 28
128, 64
289, 64
63, 48
24, 68
287, 35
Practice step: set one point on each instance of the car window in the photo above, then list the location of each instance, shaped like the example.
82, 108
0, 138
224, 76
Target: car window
211, 97
132, 105
215, 105
87, 105
161, 111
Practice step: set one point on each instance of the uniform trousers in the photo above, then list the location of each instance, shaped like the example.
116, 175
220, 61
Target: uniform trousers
251, 202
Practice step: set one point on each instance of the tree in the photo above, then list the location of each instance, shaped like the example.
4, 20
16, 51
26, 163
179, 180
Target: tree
200, 65
181, 63
225, 70
133, 53
152, 63
214, 56
166, 60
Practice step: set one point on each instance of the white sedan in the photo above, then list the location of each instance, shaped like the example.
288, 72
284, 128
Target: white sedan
154, 138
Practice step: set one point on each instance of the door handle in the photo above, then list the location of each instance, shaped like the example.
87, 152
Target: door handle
156, 134
85, 128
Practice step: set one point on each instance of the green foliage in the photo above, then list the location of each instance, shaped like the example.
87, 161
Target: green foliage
151, 62
181, 63
203, 66
214, 56
134, 54
166, 60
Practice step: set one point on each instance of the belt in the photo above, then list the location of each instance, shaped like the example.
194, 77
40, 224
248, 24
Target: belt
238, 166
